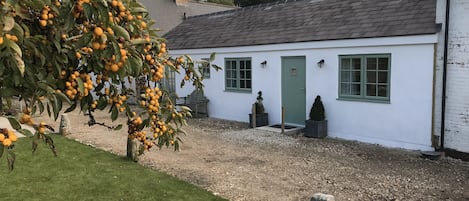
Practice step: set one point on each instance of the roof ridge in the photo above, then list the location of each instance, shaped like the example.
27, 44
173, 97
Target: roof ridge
239, 9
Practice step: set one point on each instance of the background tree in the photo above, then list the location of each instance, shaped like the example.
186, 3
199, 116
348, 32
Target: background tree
62, 55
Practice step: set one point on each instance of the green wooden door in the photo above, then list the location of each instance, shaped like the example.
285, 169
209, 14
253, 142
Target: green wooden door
294, 89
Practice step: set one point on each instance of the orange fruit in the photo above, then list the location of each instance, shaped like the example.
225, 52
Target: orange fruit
1, 40
12, 137
98, 31
110, 31
2, 137
148, 57
43, 23
78, 55
114, 67
123, 52
6, 142
96, 45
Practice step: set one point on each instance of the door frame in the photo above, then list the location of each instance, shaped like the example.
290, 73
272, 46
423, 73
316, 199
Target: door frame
282, 85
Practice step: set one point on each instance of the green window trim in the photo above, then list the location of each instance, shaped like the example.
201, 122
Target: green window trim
238, 74
365, 77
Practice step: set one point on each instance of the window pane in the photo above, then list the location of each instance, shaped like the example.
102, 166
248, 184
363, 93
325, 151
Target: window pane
382, 77
345, 89
345, 76
242, 65
234, 84
345, 64
375, 84
227, 65
371, 90
356, 76
382, 90
356, 63
383, 63
238, 73
371, 76
355, 90
371, 63
228, 83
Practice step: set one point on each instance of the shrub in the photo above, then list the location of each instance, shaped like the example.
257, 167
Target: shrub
317, 110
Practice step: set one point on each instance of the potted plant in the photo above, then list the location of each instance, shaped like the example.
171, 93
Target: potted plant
262, 118
316, 125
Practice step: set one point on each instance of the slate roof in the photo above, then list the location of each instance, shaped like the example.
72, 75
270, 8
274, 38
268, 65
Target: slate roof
290, 21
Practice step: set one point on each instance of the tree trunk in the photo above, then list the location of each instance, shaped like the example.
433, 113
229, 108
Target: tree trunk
133, 149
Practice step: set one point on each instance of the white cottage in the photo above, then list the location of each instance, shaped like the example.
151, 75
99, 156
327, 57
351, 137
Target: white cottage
372, 62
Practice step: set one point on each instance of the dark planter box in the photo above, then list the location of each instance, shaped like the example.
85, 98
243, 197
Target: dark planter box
315, 129
261, 120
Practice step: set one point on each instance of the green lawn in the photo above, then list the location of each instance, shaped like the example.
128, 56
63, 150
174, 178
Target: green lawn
84, 173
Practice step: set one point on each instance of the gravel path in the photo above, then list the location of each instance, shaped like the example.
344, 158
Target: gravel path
250, 164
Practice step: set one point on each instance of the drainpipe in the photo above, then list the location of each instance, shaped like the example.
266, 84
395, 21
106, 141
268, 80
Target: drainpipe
445, 69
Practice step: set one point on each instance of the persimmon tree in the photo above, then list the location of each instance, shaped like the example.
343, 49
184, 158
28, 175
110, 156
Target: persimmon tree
63, 55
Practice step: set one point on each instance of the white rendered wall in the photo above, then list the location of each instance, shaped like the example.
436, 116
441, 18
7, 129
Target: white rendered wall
457, 94
405, 122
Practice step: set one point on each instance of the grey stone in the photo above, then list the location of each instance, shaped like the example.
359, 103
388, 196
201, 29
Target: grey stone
322, 197
64, 128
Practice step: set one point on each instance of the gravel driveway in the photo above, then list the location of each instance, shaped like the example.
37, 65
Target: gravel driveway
238, 163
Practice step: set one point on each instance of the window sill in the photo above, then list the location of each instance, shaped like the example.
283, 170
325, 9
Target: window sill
366, 100
238, 91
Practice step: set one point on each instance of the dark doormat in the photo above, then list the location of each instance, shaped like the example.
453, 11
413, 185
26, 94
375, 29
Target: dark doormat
280, 126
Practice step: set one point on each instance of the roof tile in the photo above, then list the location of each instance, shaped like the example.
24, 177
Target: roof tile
305, 20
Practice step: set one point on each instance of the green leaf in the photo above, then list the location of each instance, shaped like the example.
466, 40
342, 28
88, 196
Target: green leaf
14, 123
8, 23
14, 46
120, 31
48, 109
71, 108
212, 57
139, 10
138, 41
19, 32
41, 107
62, 96
115, 113
56, 105
8, 92
81, 87
25, 132
118, 127
35, 142
103, 2
48, 140
102, 104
